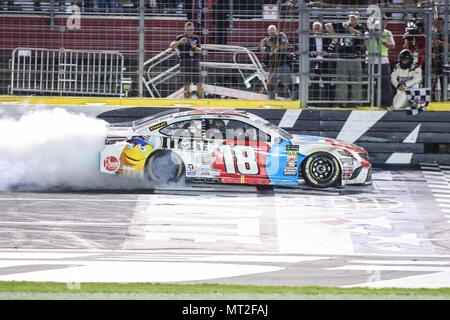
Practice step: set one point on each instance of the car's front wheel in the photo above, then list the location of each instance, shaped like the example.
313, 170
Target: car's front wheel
164, 166
321, 170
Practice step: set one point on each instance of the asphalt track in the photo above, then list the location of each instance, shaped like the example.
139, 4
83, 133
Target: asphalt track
394, 233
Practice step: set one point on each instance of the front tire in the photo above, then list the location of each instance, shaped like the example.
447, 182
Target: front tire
164, 166
321, 170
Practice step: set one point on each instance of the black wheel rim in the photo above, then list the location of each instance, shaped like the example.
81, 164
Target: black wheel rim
163, 169
322, 169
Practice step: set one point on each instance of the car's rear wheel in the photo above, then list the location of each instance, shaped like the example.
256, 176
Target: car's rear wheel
321, 170
164, 166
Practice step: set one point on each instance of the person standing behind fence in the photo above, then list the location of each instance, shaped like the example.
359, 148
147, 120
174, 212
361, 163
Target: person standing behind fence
319, 70
275, 47
387, 43
189, 46
349, 49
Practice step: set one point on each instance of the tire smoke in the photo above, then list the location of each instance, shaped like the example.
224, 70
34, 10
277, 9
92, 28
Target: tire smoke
54, 149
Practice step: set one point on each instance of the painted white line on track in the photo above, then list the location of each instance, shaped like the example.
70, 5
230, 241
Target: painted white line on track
441, 195
440, 191
401, 262
63, 223
438, 186
443, 200
70, 199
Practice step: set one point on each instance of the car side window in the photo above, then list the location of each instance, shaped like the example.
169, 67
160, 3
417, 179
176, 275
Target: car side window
186, 128
238, 130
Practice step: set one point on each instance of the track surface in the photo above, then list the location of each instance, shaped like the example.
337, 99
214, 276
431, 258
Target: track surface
394, 233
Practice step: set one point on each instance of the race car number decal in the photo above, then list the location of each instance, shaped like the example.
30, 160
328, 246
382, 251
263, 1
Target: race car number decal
238, 161
240, 156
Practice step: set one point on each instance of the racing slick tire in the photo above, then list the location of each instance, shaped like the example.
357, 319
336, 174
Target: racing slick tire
321, 170
164, 166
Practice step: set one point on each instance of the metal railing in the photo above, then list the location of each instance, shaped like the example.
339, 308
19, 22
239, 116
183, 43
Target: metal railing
254, 66
62, 71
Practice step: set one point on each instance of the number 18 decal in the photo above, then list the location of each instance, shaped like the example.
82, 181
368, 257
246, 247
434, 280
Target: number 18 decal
245, 157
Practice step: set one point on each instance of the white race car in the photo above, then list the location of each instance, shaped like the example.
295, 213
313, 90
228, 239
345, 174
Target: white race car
228, 146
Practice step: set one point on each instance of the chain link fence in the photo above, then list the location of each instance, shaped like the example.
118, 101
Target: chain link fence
255, 50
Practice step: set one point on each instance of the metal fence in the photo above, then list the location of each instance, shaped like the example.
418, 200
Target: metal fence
121, 48
69, 72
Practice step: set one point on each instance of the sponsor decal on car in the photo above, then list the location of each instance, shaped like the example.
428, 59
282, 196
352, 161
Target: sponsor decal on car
157, 126
290, 171
111, 163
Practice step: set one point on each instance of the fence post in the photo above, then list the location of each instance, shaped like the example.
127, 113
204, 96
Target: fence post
303, 53
428, 53
141, 47
445, 38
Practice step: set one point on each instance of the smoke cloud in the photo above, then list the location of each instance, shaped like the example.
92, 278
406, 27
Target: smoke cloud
55, 148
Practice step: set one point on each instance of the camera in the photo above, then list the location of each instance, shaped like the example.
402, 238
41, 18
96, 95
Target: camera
413, 28
446, 68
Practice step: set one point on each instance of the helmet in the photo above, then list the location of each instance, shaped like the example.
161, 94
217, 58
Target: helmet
403, 55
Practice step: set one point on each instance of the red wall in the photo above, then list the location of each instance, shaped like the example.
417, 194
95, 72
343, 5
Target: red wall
121, 34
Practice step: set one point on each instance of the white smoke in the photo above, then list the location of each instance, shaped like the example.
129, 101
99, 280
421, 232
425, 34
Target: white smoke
54, 148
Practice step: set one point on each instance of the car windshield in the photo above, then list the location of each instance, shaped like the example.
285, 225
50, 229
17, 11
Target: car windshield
286, 135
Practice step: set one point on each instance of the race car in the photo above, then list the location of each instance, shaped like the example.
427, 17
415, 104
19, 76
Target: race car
228, 146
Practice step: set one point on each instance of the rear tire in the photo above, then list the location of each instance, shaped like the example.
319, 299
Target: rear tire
164, 166
321, 170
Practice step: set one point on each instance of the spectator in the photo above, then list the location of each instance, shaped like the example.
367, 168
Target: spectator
348, 48
320, 69
406, 75
189, 46
387, 43
274, 47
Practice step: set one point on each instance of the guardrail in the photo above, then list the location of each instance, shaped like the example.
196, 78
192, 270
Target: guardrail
62, 71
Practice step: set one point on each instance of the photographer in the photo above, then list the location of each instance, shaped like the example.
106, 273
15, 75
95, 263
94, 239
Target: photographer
274, 47
349, 49
415, 40
189, 46
406, 75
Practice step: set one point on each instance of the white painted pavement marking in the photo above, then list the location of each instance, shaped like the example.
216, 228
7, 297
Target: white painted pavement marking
197, 219
304, 229
68, 199
400, 262
441, 195
440, 186
438, 274
406, 238
113, 271
378, 222
289, 118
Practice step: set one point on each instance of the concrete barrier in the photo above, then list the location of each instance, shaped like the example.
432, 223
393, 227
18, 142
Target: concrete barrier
389, 137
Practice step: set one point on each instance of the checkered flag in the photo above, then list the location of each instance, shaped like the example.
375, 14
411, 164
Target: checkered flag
418, 100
